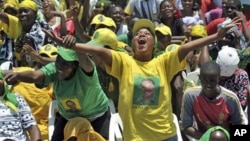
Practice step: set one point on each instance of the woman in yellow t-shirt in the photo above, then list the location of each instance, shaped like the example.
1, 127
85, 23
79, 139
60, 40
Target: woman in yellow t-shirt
151, 120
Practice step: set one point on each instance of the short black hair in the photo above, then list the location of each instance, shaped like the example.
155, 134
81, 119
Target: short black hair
210, 66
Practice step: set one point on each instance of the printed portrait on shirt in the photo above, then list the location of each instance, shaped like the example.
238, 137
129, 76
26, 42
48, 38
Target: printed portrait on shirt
71, 105
146, 91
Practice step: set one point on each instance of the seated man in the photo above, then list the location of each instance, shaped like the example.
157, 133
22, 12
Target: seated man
210, 105
16, 116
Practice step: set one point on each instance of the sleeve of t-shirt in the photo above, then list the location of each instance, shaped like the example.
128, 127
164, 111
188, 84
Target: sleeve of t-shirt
187, 111
237, 115
49, 71
119, 61
129, 7
172, 64
25, 113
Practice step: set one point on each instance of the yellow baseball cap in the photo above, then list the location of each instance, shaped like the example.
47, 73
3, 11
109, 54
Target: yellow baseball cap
143, 23
163, 29
96, 19
48, 50
107, 21
104, 37
198, 31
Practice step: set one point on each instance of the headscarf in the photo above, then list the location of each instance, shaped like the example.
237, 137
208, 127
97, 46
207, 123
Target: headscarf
206, 135
10, 4
8, 97
28, 4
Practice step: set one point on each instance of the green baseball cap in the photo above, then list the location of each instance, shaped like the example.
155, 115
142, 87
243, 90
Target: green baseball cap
143, 23
67, 54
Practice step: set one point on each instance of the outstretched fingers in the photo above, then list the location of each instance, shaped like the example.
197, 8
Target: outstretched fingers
53, 36
69, 41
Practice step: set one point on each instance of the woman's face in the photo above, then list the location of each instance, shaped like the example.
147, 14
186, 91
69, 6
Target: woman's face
187, 4
117, 15
26, 16
163, 40
65, 69
167, 10
48, 6
143, 42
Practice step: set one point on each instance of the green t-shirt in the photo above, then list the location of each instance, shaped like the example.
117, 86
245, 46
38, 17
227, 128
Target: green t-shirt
81, 96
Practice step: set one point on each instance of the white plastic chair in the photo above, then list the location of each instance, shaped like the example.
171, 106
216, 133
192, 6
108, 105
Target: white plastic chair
7, 65
52, 114
245, 112
115, 128
178, 129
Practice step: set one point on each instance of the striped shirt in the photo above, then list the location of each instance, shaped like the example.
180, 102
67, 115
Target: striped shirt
148, 9
224, 110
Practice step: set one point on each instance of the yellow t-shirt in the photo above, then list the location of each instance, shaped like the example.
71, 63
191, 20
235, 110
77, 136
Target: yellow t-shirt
145, 116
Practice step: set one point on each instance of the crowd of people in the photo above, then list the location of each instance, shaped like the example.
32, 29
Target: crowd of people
83, 53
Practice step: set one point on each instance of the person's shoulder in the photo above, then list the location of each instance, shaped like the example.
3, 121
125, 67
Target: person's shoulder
193, 89
228, 93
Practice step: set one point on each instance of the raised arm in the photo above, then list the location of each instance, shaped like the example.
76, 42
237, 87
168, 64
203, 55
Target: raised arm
26, 76
103, 53
246, 30
186, 48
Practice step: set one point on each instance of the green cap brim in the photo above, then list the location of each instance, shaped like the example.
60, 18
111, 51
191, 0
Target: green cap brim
144, 23
94, 43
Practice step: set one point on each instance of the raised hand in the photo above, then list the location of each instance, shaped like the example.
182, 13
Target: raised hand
10, 77
75, 10
222, 31
69, 41
240, 15
53, 36
32, 52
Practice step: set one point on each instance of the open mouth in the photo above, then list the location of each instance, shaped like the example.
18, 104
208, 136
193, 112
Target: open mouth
23, 18
142, 41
